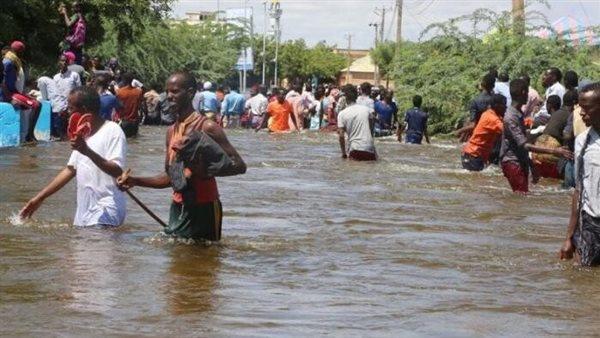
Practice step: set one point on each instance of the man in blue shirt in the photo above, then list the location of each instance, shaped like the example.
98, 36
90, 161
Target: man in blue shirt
109, 104
232, 109
415, 123
208, 101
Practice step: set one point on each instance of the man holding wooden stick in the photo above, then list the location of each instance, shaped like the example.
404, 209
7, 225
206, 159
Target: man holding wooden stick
196, 210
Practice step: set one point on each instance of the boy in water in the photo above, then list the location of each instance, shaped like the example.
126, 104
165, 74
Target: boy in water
477, 151
96, 162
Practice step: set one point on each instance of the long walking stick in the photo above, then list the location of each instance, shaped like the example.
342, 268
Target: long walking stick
140, 203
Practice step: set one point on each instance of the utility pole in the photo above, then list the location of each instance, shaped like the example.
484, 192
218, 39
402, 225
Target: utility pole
376, 33
349, 37
376, 70
518, 13
381, 12
264, 46
276, 15
399, 4
244, 70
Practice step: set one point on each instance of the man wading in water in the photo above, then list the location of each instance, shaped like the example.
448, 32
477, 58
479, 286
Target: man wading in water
197, 216
583, 233
96, 162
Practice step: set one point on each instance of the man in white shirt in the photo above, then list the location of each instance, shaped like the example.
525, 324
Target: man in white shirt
583, 233
256, 106
96, 162
551, 81
64, 82
355, 121
502, 87
365, 97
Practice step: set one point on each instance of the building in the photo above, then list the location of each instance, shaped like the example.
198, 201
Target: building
362, 69
196, 18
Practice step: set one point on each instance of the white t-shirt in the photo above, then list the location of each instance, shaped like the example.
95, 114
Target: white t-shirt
591, 170
257, 104
556, 89
99, 200
503, 88
355, 120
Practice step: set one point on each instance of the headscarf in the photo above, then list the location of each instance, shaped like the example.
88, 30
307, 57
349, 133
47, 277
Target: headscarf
17, 46
15, 60
70, 57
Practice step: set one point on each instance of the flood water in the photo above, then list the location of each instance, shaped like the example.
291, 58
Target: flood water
312, 245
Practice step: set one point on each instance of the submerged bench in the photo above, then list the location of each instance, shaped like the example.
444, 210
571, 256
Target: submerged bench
14, 124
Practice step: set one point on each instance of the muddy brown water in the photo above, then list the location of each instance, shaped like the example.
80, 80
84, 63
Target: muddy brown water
312, 245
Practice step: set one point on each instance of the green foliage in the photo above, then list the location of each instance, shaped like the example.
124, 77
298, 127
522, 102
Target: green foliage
159, 49
447, 69
383, 57
293, 60
42, 28
323, 63
299, 62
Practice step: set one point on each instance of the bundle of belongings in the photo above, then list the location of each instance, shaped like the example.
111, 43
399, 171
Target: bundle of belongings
196, 154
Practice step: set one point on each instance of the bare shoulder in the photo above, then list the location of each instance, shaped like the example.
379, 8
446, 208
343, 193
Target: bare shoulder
211, 127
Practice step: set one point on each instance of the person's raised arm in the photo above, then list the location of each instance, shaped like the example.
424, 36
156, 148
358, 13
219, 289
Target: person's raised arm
109, 167
55, 185
217, 134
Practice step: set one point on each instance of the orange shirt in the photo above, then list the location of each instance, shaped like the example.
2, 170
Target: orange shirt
130, 98
484, 136
280, 114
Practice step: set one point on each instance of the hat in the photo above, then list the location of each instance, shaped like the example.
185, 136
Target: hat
207, 85
17, 46
70, 57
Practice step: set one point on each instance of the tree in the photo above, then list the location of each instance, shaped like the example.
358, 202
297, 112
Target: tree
323, 63
446, 69
160, 49
293, 59
38, 24
383, 56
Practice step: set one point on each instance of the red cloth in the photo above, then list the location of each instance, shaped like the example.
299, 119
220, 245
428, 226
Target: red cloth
548, 170
358, 155
25, 101
518, 178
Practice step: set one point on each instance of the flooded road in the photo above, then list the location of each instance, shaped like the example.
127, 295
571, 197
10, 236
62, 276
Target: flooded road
312, 245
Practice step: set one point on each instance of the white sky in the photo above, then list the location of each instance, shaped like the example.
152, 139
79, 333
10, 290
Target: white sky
332, 20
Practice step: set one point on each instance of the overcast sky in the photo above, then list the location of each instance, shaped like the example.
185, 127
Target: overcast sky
332, 20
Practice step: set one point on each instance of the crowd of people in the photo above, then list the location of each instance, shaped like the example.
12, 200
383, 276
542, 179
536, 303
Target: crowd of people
510, 125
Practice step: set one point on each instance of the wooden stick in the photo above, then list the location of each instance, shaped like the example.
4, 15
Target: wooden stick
140, 203
143, 206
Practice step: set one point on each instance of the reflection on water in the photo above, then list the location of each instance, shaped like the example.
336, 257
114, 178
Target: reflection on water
312, 245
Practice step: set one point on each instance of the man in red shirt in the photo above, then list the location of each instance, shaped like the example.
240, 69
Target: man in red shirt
130, 98
202, 219
477, 150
